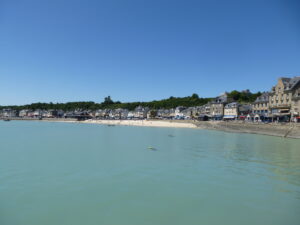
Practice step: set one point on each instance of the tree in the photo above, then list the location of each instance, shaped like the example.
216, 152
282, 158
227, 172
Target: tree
153, 113
196, 96
108, 100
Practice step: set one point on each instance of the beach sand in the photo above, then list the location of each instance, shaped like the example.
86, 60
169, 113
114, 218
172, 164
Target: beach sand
144, 123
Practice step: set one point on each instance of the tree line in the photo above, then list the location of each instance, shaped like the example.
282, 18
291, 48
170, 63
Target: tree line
108, 103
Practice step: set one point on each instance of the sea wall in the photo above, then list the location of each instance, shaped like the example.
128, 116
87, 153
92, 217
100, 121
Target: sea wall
289, 130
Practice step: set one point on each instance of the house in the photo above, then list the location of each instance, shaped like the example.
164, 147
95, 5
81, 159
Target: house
187, 113
24, 112
118, 114
60, 113
130, 115
244, 110
165, 113
196, 111
138, 113
37, 113
231, 111
47, 114
282, 97
295, 107
52, 113
217, 106
9, 113
178, 114
260, 107
124, 114
206, 109
78, 114
102, 113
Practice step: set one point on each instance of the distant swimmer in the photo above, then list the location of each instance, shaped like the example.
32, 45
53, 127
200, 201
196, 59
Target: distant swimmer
152, 148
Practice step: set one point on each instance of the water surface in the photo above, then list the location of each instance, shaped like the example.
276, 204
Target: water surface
85, 174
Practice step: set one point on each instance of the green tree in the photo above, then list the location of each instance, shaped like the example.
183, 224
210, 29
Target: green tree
108, 100
196, 96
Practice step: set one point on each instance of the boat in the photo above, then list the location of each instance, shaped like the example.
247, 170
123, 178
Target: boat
6, 120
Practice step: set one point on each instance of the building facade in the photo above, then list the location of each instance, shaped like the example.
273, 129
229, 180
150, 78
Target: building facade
217, 106
281, 98
231, 111
260, 107
295, 107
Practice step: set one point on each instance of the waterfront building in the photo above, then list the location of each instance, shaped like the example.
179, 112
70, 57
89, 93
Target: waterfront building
281, 97
187, 113
123, 113
138, 113
130, 115
24, 112
50, 113
78, 114
9, 113
141, 112
260, 107
178, 114
37, 113
231, 111
295, 107
244, 110
204, 112
102, 113
165, 113
118, 114
114, 114
197, 111
217, 106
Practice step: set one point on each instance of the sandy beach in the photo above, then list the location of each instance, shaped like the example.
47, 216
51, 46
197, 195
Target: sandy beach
286, 130
144, 123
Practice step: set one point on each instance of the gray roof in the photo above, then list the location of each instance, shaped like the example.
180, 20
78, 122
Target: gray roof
263, 98
244, 108
290, 83
231, 105
220, 99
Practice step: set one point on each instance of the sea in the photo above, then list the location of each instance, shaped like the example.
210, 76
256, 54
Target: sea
55, 173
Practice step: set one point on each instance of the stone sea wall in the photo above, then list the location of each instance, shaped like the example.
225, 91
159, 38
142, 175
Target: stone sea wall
288, 130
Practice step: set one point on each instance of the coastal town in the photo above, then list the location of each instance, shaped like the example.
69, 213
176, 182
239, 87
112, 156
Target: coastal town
280, 104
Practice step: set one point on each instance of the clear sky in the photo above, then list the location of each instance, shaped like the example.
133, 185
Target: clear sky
140, 50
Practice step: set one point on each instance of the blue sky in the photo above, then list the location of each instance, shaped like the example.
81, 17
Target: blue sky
138, 50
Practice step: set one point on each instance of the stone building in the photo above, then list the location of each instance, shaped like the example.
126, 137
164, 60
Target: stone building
260, 107
295, 107
217, 106
231, 111
282, 101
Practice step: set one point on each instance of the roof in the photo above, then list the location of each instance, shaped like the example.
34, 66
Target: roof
231, 105
220, 99
263, 98
244, 108
290, 83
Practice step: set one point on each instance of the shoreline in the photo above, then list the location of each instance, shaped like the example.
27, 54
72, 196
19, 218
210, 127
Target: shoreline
289, 130
143, 123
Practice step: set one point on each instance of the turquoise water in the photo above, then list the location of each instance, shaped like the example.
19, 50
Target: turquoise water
85, 174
